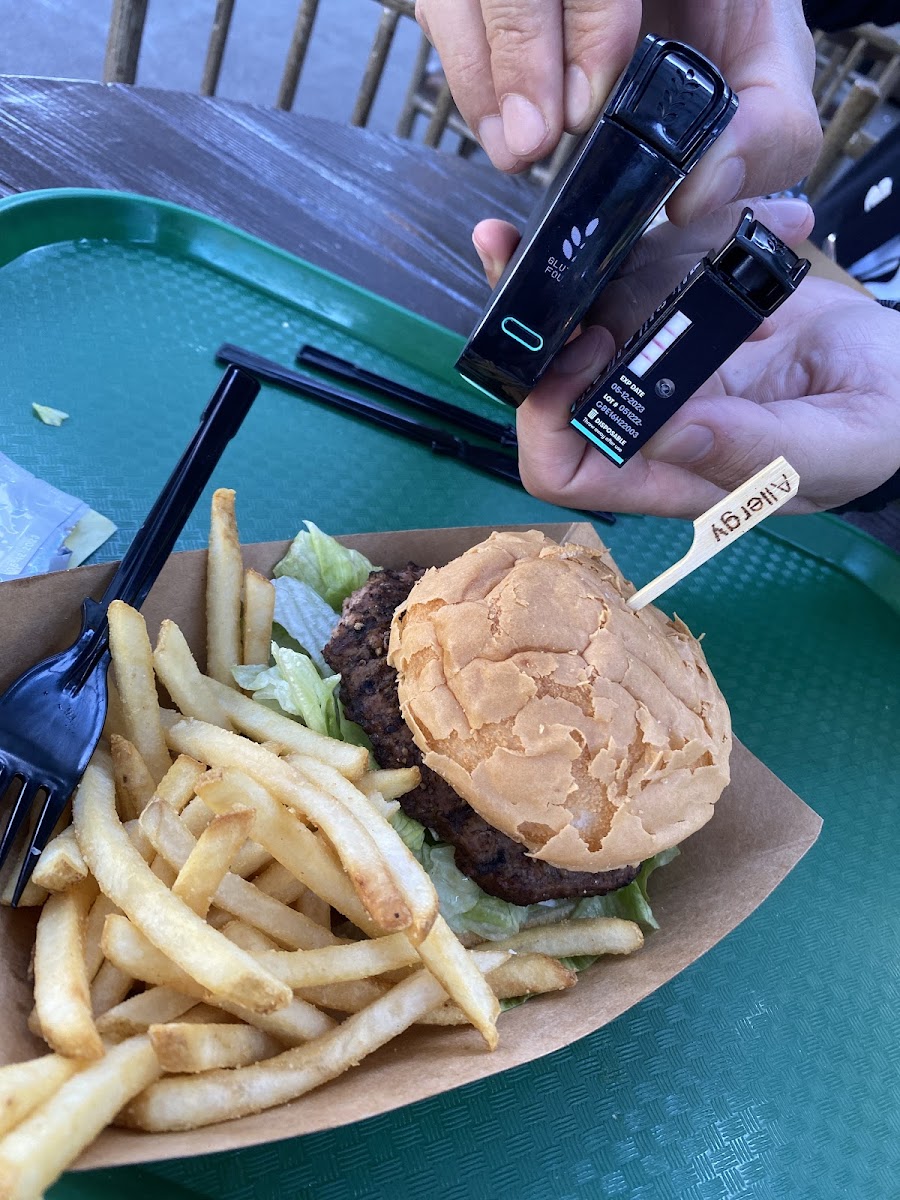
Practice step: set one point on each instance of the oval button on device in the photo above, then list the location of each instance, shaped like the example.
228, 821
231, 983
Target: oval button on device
521, 333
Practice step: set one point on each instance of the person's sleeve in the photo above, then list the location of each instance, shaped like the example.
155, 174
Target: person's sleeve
874, 501
835, 15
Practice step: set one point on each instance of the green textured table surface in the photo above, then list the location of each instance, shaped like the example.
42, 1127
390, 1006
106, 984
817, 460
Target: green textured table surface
769, 1068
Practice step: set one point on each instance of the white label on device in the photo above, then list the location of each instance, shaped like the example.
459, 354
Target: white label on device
659, 344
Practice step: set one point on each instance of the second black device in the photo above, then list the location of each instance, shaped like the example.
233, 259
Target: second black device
713, 310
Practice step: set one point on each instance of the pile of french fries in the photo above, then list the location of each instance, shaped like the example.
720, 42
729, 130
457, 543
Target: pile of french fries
230, 919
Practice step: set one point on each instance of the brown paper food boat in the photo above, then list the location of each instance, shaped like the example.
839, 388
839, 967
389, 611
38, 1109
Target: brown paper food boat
760, 831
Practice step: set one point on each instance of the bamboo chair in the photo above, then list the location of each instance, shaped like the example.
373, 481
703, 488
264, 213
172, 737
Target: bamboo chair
427, 96
855, 72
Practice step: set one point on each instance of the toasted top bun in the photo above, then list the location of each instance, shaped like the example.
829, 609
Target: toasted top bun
594, 735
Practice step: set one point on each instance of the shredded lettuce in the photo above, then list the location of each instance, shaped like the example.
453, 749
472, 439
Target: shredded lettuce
305, 617
295, 686
311, 582
632, 903
333, 571
411, 832
50, 416
468, 909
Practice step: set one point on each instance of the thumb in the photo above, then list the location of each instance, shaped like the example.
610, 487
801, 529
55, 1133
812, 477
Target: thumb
726, 440
771, 144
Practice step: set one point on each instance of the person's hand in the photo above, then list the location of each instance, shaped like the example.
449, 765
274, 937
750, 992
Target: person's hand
521, 71
819, 383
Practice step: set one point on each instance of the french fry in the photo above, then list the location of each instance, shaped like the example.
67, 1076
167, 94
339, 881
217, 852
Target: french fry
217, 917
455, 967
337, 997
208, 862
349, 997
206, 1014
445, 1014
278, 882
300, 1022
33, 896
314, 907
177, 785
134, 783
138, 839
127, 947
384, 808
248, 860
248, 937
530, 975
264, 724
136, 682
224, 578
188, 1048
61, 993
259, 612
154, 1006
25, 1085
340, 964
568, 939
288, 840
124, 876
60, 864
115, 714
38, 1150
179, 674
164, 871
522, 975
296, 848
93, 931
186, 1103
196, 817
234, 895
136, 1014
391, 783
110, 986
410, 876
359, 854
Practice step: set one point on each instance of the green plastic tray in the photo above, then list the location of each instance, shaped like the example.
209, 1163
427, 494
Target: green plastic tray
770, 1067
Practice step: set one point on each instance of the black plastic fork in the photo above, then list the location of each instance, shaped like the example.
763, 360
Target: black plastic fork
51, 717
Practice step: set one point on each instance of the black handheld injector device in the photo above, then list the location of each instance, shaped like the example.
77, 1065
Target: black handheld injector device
666, 111
695, 329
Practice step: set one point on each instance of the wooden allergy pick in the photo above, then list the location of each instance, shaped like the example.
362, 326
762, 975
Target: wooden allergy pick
724, 523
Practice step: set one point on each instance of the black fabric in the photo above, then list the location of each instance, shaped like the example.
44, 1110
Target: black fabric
874, 180
876, 500
832, 15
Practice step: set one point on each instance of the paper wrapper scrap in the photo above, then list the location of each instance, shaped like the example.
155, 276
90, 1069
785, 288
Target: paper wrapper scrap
759, 832
41, 528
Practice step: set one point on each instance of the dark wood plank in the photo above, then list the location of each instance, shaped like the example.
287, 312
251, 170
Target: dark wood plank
388, 214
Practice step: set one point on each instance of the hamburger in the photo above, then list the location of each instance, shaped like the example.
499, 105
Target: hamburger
564, 740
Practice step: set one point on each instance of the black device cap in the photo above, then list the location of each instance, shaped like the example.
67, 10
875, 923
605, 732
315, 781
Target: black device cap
674, 98
759, 265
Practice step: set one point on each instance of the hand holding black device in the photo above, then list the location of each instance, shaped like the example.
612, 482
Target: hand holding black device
668, 108
695, 329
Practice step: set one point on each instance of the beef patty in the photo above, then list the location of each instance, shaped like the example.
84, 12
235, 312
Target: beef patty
368, 691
